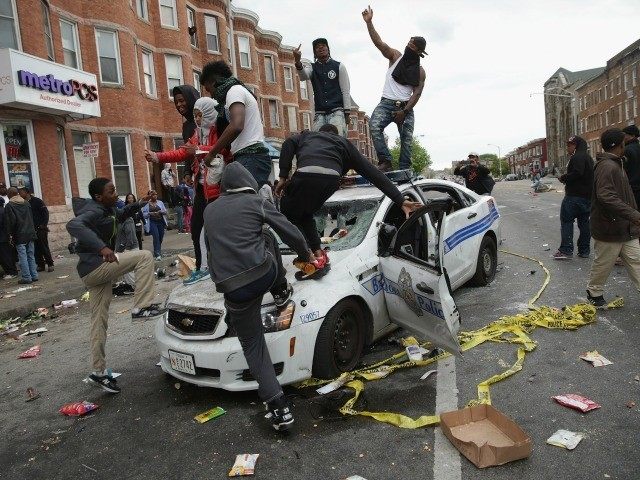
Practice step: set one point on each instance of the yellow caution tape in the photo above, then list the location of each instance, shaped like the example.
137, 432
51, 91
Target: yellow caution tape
513, 329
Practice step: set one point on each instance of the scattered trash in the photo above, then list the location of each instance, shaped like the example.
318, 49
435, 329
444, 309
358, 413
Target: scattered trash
159, 364
631, 404
414, 353
210, 415
244, 465
22, 289
8, 295
545, 244
637, 378
58, 256
336, 384
61, 277
42, 312
577, 402
161, 273
66, 304
596, 359
32, 394
355, 477
616, 303
85, 297
31, 353
186, 265
485, 436
341, 233
124, 310
89, 468
37, 331
77, 409
532, 272
428, 374
174, 263
177, 385
565, 439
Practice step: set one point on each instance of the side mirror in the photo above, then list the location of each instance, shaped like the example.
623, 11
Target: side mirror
386, 234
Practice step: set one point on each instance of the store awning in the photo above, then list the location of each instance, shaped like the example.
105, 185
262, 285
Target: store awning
31, 83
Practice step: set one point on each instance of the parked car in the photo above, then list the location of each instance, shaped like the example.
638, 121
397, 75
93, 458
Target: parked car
511, 177
386, 272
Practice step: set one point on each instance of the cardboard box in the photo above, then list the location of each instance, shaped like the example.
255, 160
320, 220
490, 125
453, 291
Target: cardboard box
485, 436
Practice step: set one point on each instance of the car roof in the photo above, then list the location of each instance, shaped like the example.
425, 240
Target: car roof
371, 192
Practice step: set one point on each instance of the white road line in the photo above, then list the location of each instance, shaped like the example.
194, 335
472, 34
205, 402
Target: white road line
446, 461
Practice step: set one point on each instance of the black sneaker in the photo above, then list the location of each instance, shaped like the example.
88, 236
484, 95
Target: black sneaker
598, 302
152, 311
105, 382
281, 298
279, 413
583, 255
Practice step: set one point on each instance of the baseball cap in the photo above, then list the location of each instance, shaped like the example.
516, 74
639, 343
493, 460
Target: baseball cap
473, 154
631, 130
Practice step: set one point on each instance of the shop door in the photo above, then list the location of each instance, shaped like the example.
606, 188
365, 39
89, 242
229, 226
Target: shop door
18, 155
85, 167
64, 166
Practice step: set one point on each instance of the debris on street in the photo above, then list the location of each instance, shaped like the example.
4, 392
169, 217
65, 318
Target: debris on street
595, 359
337, 383
428, 374
186, 265
7, 295
32, 394
85, 297
355, 477
37, 331
210, 415
31, 353
244, 465
66, 304
631, 405
62, 277
576, 402
77, 409
42, 312
565, 439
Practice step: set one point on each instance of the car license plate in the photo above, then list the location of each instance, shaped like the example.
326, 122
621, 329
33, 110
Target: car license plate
182, 362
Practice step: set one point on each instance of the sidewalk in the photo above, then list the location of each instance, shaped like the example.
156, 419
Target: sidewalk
65, 284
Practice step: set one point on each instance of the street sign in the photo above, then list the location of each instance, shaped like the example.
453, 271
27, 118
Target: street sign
90, 150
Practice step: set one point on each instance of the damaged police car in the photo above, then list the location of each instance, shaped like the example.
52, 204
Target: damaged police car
387, 271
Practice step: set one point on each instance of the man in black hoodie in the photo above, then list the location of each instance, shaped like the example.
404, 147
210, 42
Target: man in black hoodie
41, 223
7, 252
245, 263
22, 234
632, 154
577, 200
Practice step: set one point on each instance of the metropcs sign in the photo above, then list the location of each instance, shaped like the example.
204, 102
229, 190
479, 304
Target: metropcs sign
37, 85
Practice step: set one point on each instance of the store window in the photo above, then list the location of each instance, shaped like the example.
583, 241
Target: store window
149, 73
9, 33
245, 52
108, 52
304, 93
120, 152
174, 72
211, 27
306, 121
269, 69
48, 38
191, 22
288, 79
168, 14
21, 169
70, 44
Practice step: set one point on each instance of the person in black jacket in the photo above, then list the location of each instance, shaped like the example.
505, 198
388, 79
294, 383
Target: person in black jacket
576, 204
96, 226
41, 223
632, 154
476, 176
322, 158
7, 251
22, 234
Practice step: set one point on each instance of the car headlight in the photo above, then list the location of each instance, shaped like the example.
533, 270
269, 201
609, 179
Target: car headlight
275, 321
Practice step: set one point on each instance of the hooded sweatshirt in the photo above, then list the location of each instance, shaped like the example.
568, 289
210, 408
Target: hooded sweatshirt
579, 177
233, 227
632, 165
190, 94
614, 209
19, 220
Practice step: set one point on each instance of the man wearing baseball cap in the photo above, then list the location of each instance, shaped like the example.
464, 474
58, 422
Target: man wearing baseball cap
403, 87
632, 154
476, 176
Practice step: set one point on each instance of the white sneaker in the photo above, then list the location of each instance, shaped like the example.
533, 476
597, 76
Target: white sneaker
9, 277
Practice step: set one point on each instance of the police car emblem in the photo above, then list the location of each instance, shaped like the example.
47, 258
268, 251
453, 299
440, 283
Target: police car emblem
331, 74
405, 285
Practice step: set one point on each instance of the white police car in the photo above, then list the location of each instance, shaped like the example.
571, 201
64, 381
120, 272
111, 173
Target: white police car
386, 271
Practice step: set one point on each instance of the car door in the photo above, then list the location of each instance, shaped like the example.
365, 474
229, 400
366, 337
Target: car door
415, 284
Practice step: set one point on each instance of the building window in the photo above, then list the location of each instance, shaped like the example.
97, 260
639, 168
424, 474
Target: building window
173, 65
48, 40
635, 107
606, 91
627, 109
191, 22
110, 69
120, 151
606, 117
149, 73
293, 119
9, 37
269, 69
168, 13
245, 52
288, 79
211, 27
306, 121
626, 81
353, 123
196, 81
70, 44
274, 118
142, 9
634, 76
304, 93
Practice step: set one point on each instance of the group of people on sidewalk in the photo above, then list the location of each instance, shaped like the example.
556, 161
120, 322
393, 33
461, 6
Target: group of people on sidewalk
24, 235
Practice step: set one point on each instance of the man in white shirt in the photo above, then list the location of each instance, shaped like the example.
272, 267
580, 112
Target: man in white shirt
402, 89
169, 180
245, 133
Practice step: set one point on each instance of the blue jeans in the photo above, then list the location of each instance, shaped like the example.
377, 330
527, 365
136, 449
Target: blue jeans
258, 164
381, 117
157, 232
573, 208
334, 118
27, 261
180, 218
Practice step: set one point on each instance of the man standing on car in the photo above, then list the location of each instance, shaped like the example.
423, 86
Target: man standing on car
403, 87
632, 154
476, 176
330, 82
577, 200
615, 218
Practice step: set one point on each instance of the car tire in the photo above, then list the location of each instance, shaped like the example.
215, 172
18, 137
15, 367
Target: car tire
340, 341
487, 263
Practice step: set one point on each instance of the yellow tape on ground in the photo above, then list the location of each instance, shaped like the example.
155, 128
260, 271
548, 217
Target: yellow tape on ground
513, 329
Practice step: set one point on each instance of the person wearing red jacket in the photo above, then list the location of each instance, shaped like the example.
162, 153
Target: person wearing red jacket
205, 179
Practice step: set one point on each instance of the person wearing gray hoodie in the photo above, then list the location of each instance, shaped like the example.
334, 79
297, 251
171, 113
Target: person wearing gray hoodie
245, 263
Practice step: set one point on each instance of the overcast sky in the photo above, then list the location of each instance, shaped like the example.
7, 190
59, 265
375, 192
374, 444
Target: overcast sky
485, 58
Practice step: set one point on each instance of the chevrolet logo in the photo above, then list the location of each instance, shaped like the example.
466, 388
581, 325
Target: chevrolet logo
186, 322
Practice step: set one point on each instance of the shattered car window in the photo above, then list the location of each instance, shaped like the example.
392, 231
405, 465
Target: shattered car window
343, 225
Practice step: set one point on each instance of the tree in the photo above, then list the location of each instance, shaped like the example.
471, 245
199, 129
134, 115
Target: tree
492, 159
420, 158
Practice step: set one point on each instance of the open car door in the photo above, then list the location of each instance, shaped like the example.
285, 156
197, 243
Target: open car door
415, 284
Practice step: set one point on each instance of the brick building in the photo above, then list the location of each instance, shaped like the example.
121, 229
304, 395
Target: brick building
610, 99
131, 53
531, 155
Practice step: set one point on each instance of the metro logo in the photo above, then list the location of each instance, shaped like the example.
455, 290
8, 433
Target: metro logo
51, 84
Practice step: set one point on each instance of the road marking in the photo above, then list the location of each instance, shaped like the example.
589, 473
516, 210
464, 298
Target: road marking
446, 461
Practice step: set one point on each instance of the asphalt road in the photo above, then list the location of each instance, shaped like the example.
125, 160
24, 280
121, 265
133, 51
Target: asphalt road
147, 431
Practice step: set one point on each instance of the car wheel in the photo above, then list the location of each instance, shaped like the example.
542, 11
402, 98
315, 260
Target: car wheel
340, 340
487, 263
